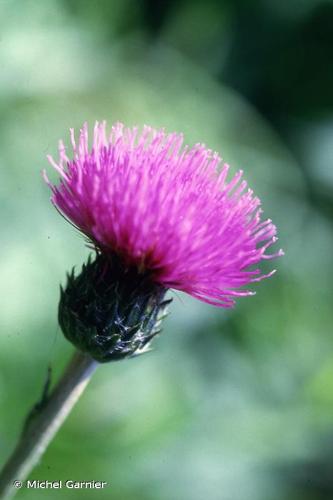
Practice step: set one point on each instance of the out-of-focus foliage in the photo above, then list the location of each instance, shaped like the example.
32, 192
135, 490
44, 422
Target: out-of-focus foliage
230, 405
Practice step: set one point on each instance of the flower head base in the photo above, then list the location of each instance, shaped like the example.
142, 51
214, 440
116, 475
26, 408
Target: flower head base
167, 210
109, 312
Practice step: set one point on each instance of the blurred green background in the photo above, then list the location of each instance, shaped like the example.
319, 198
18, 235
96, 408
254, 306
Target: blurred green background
230, 405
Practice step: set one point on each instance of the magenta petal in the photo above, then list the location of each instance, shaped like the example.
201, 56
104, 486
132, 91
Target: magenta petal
165, 208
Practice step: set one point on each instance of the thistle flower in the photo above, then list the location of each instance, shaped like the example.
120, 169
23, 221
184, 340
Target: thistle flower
159, 216
147, 203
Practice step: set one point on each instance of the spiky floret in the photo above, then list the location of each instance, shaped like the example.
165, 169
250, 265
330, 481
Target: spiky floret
165, 209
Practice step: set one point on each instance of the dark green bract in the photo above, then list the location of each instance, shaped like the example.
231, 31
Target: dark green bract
109, 311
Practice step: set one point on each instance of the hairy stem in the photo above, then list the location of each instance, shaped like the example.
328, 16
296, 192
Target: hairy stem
44, 420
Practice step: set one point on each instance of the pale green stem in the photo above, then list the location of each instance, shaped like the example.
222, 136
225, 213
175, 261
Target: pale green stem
44, 421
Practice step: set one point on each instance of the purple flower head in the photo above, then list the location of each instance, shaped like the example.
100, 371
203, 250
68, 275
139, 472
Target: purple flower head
165, 208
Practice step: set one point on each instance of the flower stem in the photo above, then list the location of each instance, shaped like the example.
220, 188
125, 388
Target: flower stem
44, 421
